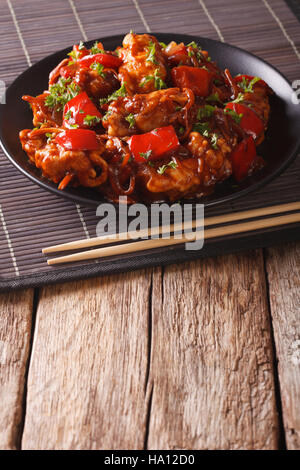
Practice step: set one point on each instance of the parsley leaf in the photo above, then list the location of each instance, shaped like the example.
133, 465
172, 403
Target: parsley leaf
131, 119
91, 120
201, 127
194, 45
158, 82
95, 49
146, 155
205, 112
49, 137
248, 87
239, 98
172, 164
68, 115
106, 116
60, 93
121, 92
98, 68
151, 53
74, 54
235, 116
214, 140
213, 98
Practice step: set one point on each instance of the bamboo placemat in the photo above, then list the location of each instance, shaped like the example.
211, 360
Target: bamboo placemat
31, 218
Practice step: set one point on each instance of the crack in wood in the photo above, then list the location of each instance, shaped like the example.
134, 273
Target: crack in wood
24, 398
281, 432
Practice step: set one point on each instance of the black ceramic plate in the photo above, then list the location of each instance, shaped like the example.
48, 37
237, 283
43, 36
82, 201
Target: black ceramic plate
278, 149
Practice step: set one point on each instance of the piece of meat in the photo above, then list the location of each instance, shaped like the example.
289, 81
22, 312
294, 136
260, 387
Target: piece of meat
214, 165
258, 100
88, 168
143, 58
41, 113
174, 183
95, 85
196, 173
148, 111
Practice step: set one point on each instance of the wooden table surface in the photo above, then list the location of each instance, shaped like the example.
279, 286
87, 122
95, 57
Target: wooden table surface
193, 356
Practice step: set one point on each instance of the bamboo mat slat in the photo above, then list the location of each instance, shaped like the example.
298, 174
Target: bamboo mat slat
31, 218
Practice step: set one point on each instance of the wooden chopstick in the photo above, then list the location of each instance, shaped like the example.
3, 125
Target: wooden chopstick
160, 242
105, 239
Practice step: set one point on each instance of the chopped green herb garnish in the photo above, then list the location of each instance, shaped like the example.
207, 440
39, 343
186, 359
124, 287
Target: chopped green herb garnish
239, 98
162, 169
201, 127
151, 53
131, 119
178, 108
213, 98
95, 49
68, 114
205, 112
214, 141
163, 45
98, 68
60, 93
106, 116
158, 82
81, 46
49, 137
146, 155
247, 86
91, 120
146, 79
121, 92
73, 126
194, 45
212, 137
181, 130
235, 116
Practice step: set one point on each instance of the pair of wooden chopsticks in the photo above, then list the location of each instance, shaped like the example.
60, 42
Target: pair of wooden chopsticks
164, 242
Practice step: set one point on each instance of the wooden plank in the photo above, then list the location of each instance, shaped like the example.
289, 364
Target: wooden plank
283, 267
86, 382
211, 365
15, 333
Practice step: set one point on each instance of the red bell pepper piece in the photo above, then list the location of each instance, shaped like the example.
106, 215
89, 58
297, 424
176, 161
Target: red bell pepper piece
78, 139
78, 110
250, 122
242, 158
153, 145
108, 60
68, 71
177, 53
248, 78
195, 78
80, 51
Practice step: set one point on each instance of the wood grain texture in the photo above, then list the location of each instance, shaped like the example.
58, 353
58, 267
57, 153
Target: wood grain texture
15, 332
283, 266
86, 382
211, 362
